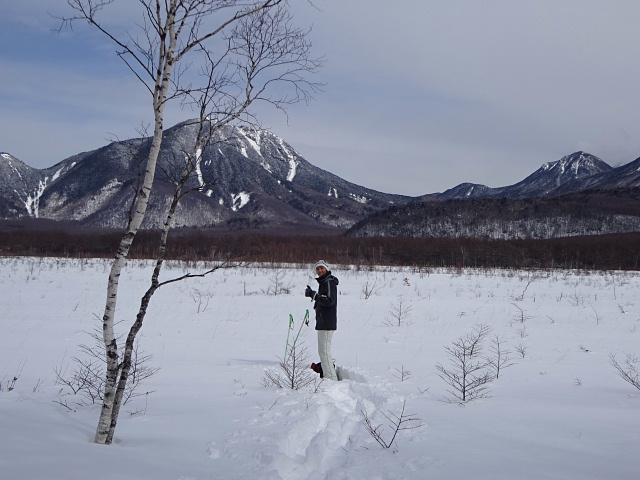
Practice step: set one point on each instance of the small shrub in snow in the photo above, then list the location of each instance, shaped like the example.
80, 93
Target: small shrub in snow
499, 358
520, 317
86, 380
522, 350
201, 298
402, 374
397, 423
399, 312
369, 289
277, 285
576, 299
596, 316
469, 373
293, 371
629, 371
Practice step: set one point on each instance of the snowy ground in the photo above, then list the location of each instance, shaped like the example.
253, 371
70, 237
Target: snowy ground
560, 412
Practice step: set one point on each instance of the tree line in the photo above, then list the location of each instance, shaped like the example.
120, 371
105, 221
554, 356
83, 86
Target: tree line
600, 252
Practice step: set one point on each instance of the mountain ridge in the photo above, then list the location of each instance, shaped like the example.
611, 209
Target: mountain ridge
245, 177
250, 179
546, 180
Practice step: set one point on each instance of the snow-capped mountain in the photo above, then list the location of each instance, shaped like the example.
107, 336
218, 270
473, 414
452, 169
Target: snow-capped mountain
246, 178
575, 196
550, 179
621, 177
20, 188
251, 179
553, 175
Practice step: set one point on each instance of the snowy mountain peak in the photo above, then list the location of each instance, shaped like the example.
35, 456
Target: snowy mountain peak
273, 151
578, 164
550, 177
553, 175
23, 185
244, 178
8, 159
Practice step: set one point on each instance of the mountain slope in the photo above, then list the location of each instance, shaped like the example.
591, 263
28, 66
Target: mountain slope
552, 175
21, 187
590, 212
245, 178
624, 176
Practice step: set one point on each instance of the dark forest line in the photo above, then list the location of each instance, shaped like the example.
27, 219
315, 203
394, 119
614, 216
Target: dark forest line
599, 252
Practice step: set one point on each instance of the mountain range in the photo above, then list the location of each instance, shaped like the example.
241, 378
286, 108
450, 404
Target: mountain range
572, 173
254, 179
577, 195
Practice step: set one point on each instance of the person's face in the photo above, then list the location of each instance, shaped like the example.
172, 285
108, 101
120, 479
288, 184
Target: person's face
321, 270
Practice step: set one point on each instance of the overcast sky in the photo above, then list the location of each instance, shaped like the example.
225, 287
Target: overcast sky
420, 95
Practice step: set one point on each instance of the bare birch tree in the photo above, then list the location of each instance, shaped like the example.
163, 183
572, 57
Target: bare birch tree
221, 56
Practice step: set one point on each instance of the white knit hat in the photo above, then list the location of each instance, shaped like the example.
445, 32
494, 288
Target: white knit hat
322, 263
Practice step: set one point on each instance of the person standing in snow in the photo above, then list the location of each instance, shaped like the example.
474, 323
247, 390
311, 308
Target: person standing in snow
326, 307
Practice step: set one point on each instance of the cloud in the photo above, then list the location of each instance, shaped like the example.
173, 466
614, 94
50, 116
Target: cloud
421, 94
503, 82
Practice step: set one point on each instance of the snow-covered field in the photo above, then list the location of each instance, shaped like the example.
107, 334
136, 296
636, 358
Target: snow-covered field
560, 412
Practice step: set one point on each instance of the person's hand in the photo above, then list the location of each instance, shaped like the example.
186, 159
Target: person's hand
309, 293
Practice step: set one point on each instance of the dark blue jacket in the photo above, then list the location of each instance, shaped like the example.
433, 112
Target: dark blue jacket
326, 302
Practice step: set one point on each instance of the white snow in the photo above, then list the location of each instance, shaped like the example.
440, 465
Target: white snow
255, 145
57, 174
560, 412
15, 170
266, 165
32, 200
333, 192
359, 198
5, 155
198, 169
291, 157
239, 200
293, 167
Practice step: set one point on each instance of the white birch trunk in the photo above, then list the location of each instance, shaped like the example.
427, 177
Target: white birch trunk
107, 420
189, 20
125, 366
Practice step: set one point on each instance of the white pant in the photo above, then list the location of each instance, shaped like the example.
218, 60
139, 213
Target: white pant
324, 350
